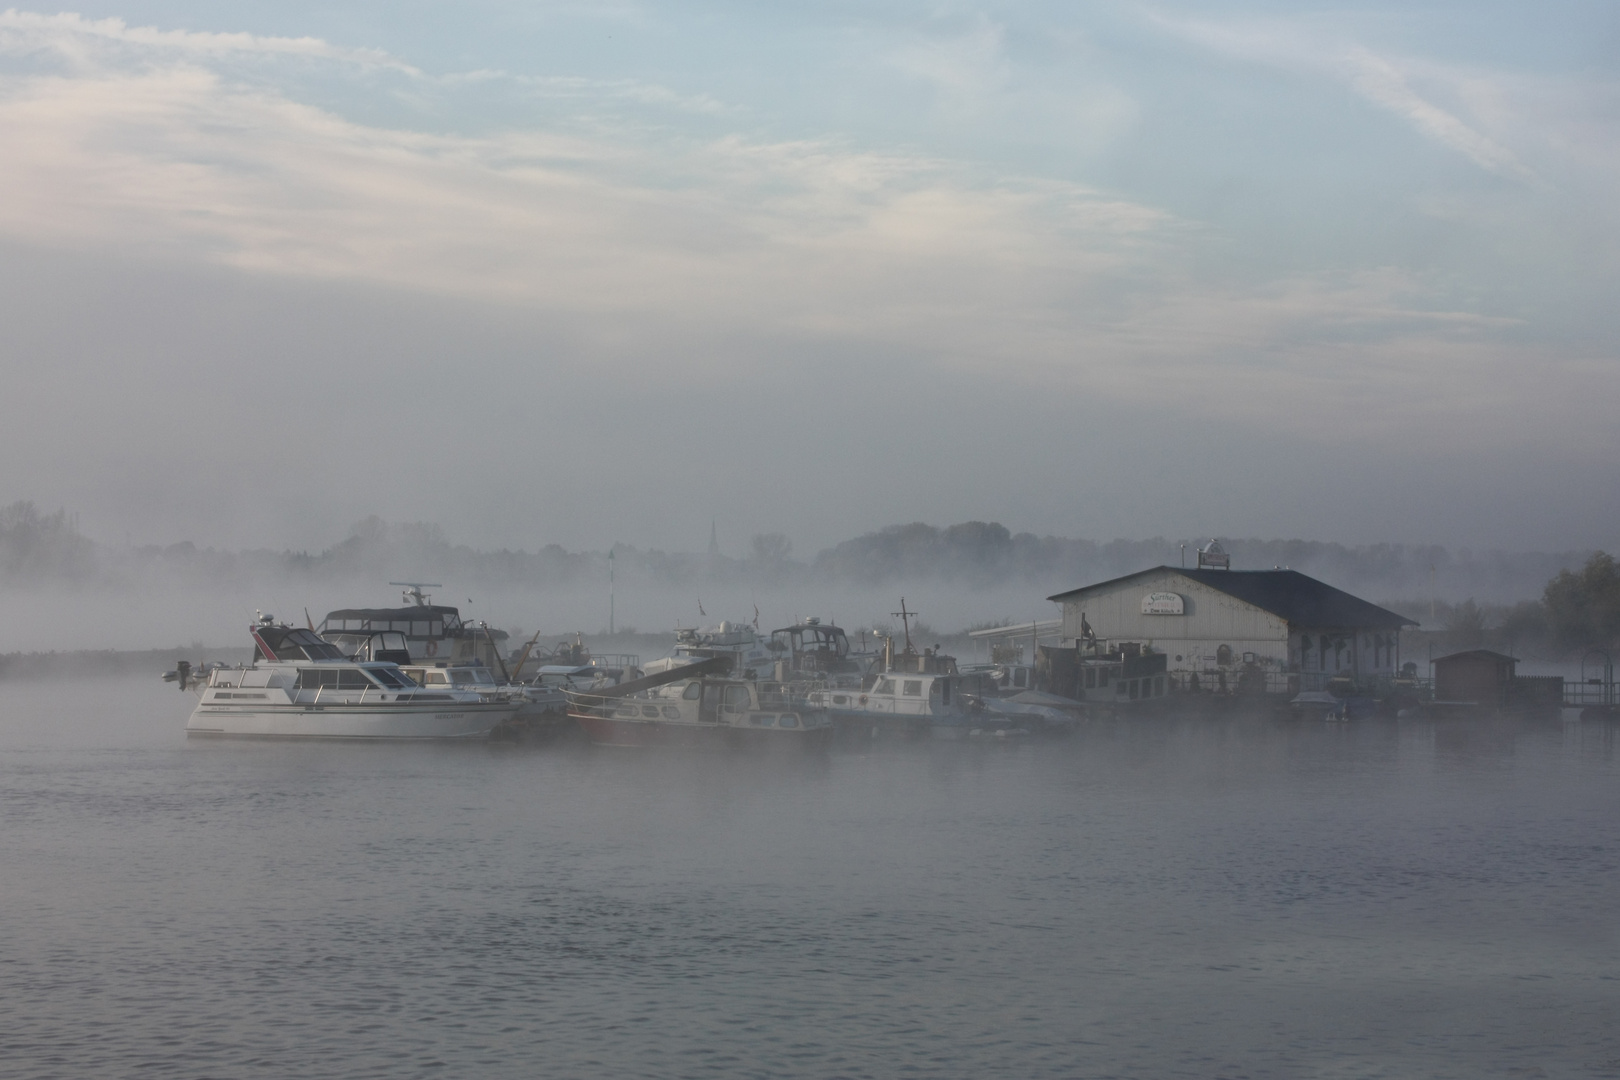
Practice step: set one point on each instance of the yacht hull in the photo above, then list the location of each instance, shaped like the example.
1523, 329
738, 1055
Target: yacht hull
448, 720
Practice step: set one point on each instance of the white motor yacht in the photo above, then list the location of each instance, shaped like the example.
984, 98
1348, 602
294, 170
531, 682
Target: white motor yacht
299, 686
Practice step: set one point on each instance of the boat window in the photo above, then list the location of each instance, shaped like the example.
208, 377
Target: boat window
736, 697
913, 688
763, 720
693, 691
789, 720
840, 699
1134, 690
672, 712
650, 711
334, 679
437, 678
394, 680
884, 686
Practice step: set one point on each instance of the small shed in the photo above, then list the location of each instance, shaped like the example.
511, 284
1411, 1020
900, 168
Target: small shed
1479, 676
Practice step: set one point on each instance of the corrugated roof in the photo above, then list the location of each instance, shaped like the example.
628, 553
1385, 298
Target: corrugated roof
1288, 594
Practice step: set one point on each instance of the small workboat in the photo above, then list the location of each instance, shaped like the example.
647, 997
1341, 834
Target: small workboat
911, 694
702, 712
299, 686
908, 703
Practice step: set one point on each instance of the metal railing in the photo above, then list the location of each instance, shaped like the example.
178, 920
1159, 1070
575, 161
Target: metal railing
1591, 692
1291, 683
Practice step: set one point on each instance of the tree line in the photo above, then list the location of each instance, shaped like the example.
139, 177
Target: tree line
1578, 604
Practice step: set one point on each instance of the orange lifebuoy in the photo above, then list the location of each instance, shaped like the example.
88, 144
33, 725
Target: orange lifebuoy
432, 648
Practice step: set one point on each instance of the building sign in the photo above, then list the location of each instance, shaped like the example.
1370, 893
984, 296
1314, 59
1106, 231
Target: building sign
1163, 603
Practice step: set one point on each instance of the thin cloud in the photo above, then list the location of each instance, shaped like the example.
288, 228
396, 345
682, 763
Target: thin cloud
1380, 82
89, 45
72, 36
1377, 79
810, 240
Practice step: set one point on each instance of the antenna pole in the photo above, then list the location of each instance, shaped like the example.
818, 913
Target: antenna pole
611, 597
905, 618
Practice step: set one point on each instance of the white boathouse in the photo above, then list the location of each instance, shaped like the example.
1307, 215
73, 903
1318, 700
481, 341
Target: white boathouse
1212, 622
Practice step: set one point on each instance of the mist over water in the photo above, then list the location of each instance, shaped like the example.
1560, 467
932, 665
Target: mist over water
1143, 899
67, 591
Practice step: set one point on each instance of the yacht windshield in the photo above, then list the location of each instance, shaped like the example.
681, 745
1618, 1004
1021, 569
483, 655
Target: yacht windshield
295, 644
391, 677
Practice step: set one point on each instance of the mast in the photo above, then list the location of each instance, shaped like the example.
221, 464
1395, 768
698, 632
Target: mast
905, 618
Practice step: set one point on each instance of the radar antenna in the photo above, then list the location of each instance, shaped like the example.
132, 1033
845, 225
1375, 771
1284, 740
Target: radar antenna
413, 591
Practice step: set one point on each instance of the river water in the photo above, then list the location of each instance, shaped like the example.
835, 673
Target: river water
1201, 899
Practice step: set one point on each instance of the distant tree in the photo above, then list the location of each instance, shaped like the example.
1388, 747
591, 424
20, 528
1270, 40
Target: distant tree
35, 545
771, 550
1525, 621
1583, 607
1465, 627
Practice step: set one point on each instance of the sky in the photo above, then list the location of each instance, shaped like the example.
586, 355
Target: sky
592, 273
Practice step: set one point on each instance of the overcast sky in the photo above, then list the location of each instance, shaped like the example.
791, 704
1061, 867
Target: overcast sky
576, 273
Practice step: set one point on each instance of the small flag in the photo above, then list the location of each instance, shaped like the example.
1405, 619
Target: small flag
756, 616
701, 612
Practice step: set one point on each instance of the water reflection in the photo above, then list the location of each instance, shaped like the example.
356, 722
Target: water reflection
1170, 897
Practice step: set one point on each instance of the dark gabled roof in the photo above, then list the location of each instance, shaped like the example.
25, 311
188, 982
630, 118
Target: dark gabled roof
1287, 594
1481, 654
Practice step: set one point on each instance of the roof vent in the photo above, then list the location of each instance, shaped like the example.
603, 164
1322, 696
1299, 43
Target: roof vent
1214, 557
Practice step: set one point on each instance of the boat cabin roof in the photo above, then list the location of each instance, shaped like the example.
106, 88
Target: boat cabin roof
400, 618
288, 643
